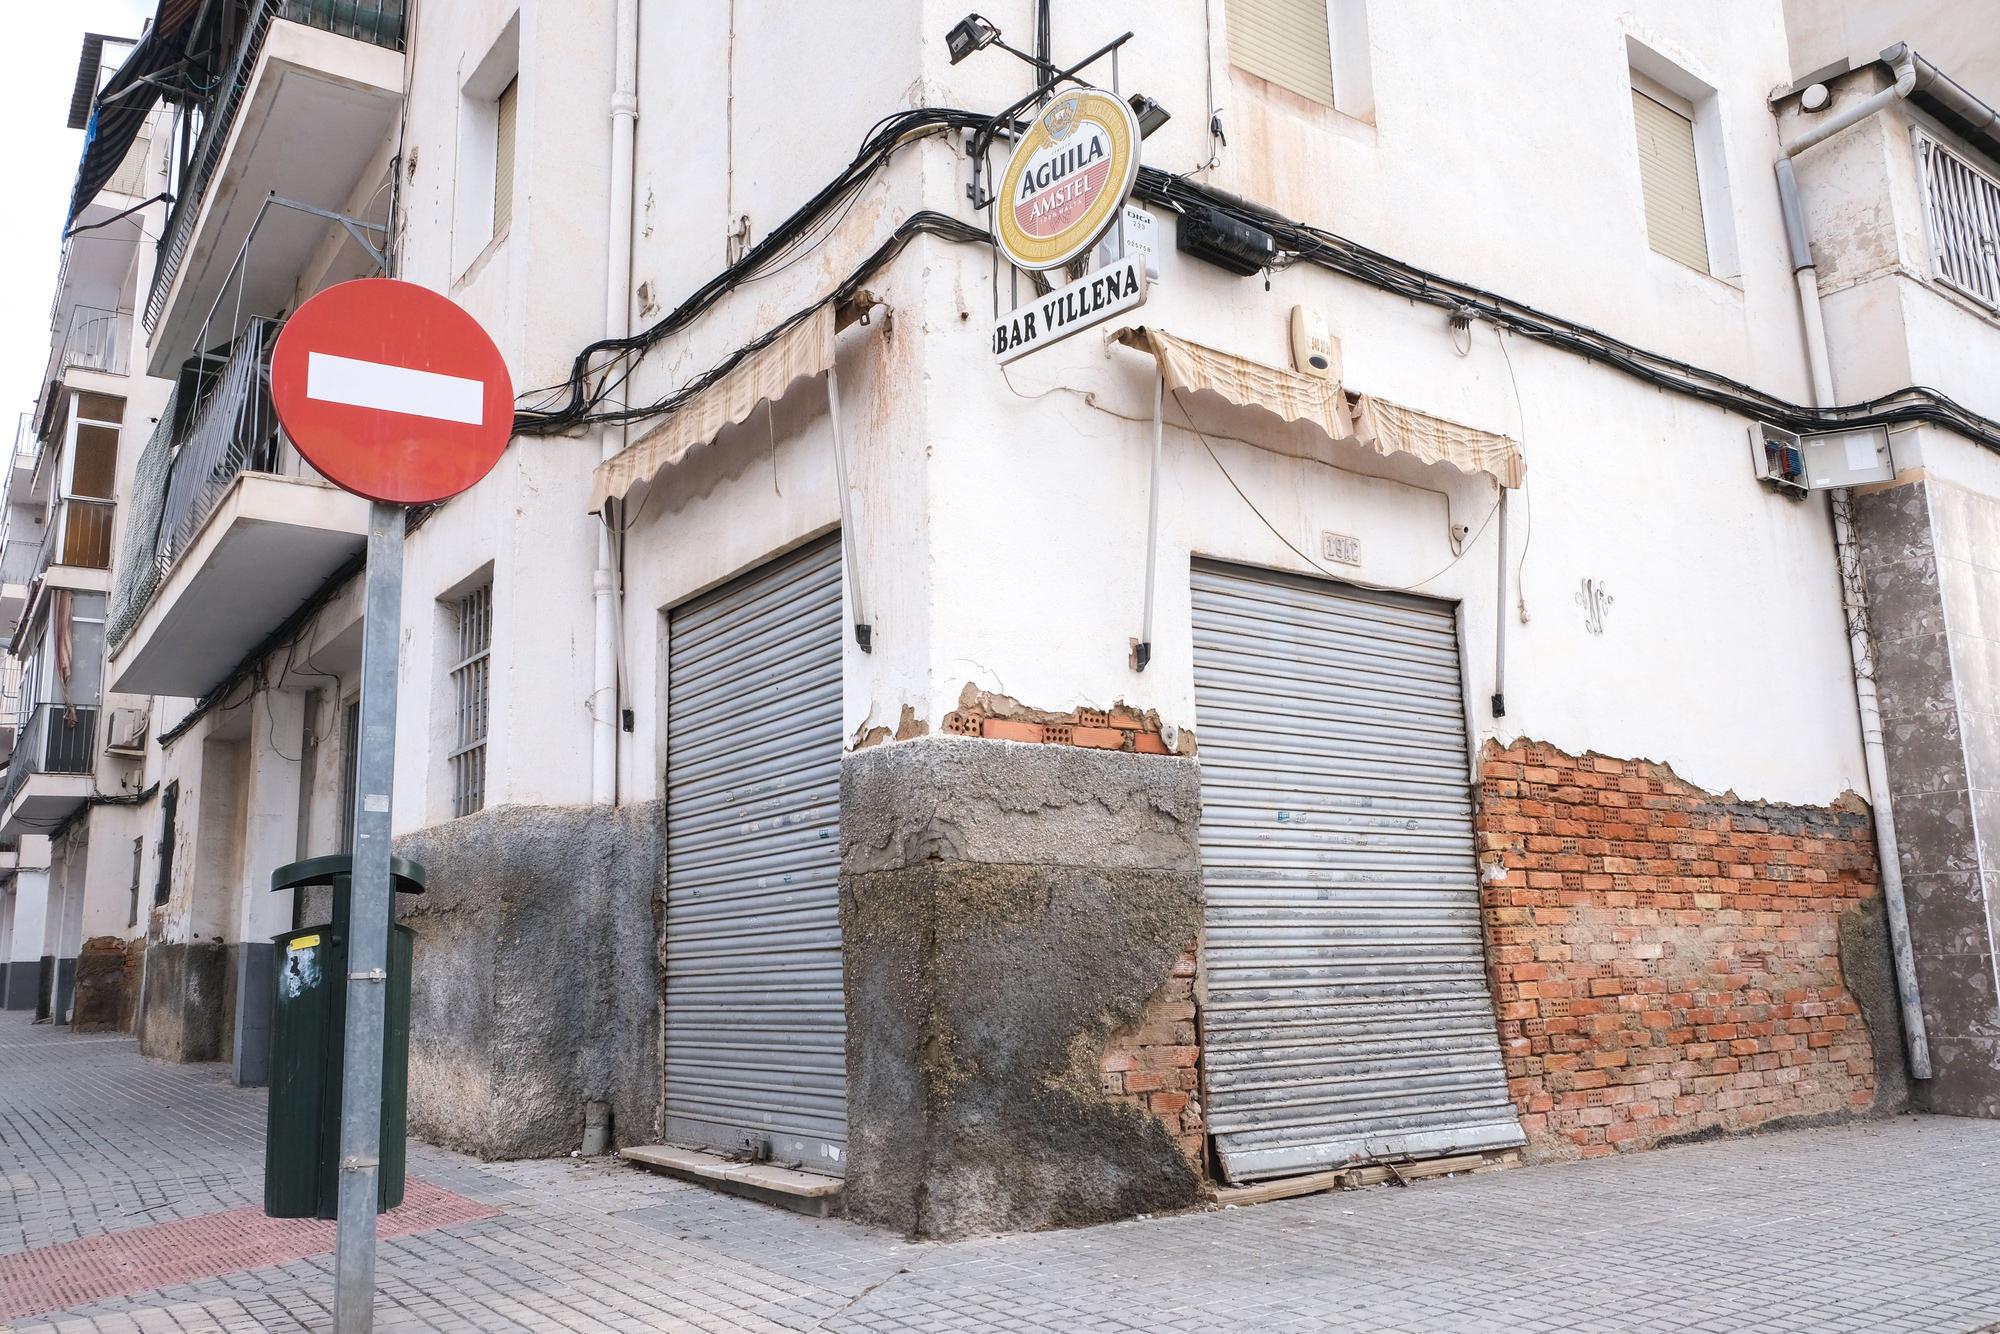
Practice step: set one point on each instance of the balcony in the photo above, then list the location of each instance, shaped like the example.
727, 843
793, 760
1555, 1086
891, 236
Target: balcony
231, 532
20, 559
49, 769
309, 98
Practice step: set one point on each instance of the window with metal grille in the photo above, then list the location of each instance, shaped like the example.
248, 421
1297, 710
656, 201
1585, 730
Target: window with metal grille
1962, 215
470, 688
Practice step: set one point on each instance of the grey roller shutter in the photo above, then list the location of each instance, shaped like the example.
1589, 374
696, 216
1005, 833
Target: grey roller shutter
1347, 1014
755, 1023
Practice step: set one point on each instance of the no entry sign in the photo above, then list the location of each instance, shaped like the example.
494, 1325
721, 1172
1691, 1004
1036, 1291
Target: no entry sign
391, 391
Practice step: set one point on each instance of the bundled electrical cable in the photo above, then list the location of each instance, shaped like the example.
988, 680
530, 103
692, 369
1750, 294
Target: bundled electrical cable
609, 360
603, 365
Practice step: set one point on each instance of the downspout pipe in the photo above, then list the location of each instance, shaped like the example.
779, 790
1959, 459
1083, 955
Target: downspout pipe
604, 699
1853, 600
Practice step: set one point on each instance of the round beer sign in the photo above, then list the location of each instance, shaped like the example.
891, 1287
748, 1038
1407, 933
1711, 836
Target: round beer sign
1068, 178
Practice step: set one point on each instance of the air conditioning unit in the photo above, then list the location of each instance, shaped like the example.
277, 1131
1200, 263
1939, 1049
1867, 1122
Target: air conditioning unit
126, 733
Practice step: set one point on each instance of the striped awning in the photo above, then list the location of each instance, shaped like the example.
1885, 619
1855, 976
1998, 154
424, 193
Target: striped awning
805, 349
1364, 419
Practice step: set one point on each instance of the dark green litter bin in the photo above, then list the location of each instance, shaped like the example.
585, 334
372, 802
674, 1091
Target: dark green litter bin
308, 1035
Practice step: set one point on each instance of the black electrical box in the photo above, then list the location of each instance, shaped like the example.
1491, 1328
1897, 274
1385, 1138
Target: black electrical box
1230, 243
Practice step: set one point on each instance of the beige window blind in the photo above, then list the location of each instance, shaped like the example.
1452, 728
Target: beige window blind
1284, 41
1669, 181
503, 158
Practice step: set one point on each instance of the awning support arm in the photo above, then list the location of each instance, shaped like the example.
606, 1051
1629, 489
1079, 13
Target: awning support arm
864, 630
1142, 652
354, 227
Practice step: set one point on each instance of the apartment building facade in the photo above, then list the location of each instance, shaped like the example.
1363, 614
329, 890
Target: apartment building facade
1379, 697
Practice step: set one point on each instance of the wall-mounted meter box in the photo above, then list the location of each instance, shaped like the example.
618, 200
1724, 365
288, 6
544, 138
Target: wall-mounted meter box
1777, 461
1847, 458
1821, 460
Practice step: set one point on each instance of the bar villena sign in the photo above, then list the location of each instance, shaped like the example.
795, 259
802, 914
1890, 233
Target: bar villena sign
1061, 191
1091, 299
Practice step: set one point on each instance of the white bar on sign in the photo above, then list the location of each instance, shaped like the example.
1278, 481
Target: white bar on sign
373, 384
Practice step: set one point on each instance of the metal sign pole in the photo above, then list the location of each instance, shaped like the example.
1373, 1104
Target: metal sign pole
368, 927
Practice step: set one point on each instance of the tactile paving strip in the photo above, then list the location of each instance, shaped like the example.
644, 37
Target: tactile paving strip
142, 1259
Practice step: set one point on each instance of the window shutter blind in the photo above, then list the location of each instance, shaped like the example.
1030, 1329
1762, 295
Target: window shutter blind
1669, 182
1284, 41
503, 158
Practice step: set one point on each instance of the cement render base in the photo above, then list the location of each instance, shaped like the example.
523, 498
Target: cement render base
535, 985
1006, 908
182, 1015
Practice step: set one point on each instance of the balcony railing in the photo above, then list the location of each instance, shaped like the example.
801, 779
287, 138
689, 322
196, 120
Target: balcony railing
97, 340
233, 430
82, 533
58, 739
27, 444
179, 480
10, 690
138, 572
377, 22
18, 558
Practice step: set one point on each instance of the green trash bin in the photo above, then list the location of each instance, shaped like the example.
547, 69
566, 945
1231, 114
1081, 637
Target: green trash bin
308, 1038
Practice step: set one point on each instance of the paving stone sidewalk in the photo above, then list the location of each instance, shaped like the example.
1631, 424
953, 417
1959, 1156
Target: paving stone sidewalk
1881, 1226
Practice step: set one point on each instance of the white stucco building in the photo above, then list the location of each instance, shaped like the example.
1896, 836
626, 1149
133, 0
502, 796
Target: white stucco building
1033, 793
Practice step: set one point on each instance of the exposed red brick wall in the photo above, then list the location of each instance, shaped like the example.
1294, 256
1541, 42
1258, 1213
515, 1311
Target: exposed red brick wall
1155, 1064
1665, 960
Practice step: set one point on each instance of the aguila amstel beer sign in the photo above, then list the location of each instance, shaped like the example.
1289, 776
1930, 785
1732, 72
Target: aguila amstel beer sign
1061, 191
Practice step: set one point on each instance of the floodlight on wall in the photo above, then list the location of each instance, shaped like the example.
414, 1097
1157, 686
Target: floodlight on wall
969, 34
1151, 114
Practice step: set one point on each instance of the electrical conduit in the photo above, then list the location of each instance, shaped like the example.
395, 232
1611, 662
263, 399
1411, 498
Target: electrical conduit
604, 700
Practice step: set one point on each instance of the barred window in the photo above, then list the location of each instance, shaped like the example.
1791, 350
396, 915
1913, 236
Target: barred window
1962, 213
471, 685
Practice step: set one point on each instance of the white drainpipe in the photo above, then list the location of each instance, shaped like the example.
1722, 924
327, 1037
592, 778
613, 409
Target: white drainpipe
604, 699
1853, 602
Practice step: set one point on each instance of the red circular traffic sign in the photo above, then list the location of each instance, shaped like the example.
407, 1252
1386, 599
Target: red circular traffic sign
392, 391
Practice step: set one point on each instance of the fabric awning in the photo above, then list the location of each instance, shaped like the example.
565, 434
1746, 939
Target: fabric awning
805, 349
1375, 423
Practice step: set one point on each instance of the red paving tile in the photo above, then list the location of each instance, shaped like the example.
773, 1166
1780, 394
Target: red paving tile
165, 1255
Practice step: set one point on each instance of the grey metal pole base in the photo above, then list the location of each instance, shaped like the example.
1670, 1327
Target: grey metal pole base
368, 928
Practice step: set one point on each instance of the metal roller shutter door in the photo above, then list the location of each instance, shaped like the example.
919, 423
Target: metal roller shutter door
756, 1026
1347, 1015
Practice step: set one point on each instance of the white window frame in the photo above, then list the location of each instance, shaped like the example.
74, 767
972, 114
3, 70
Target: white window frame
1348, 64
1659, 78
473, 231
1980, 253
